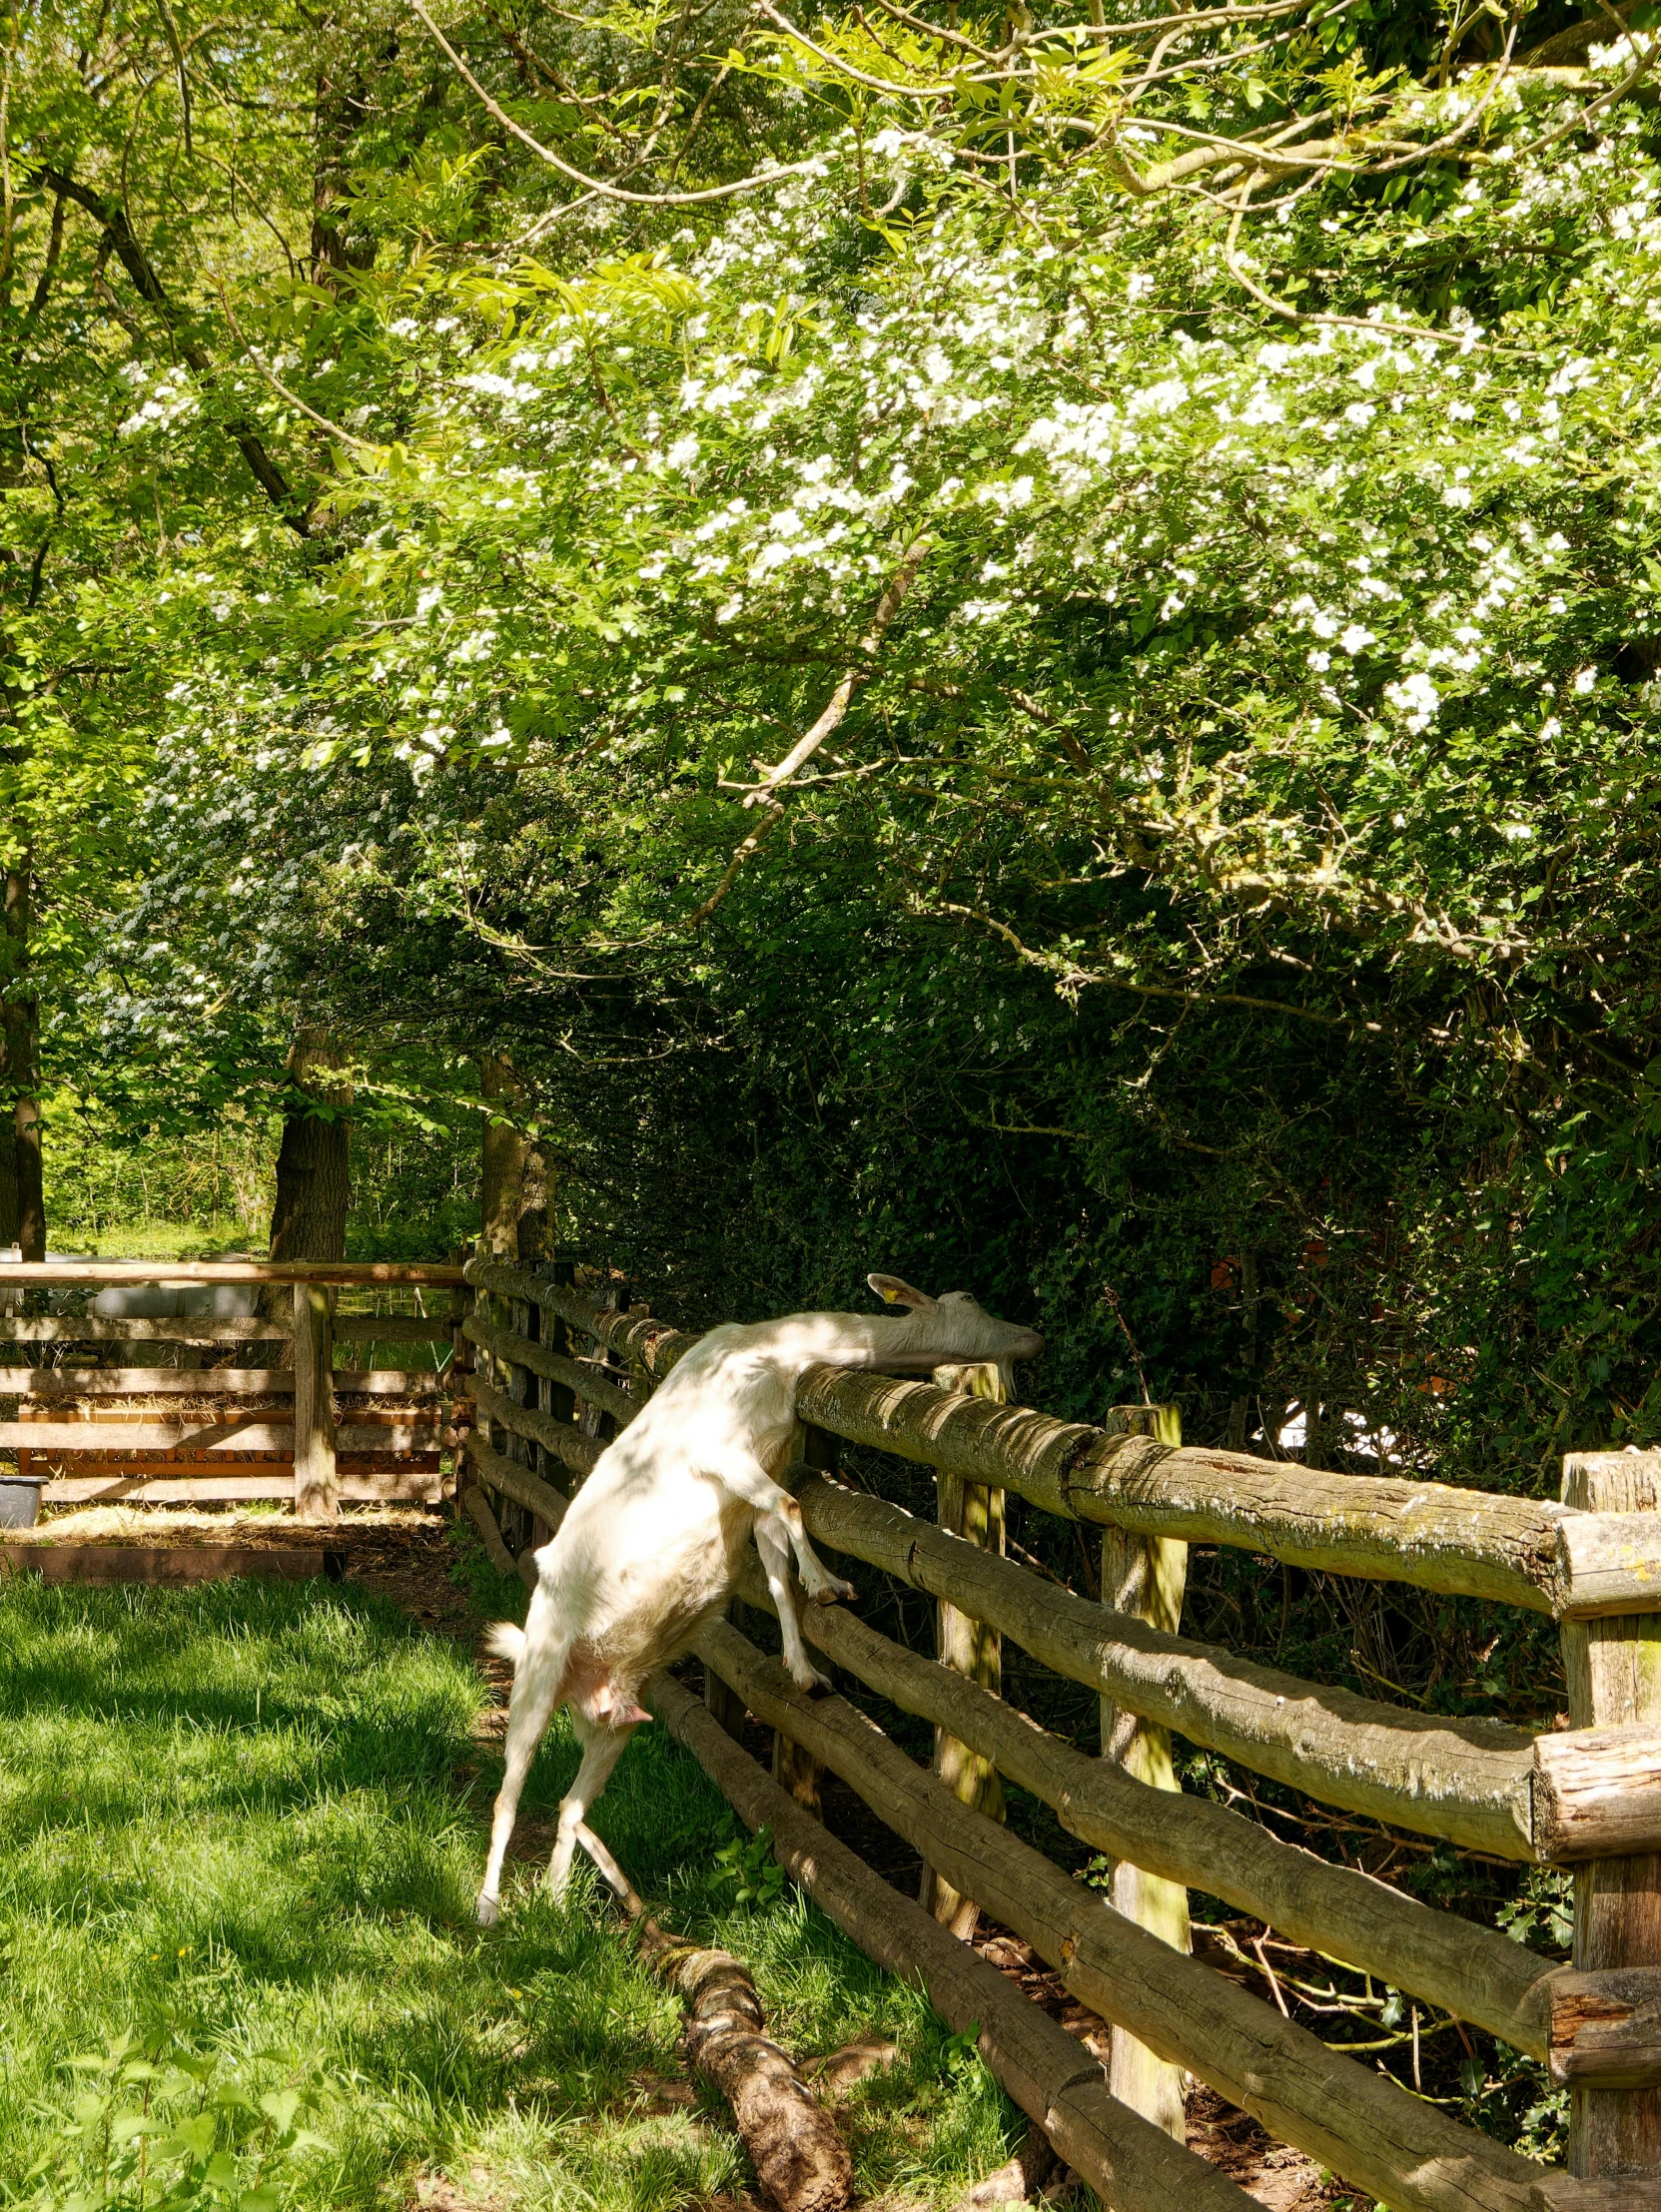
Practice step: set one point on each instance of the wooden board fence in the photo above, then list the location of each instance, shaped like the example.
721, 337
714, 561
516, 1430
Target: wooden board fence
1589, 1796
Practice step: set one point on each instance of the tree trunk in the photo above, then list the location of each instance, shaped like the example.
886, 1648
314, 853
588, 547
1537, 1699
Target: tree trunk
504, 1157
23, 1207
313, 1176
8, 1171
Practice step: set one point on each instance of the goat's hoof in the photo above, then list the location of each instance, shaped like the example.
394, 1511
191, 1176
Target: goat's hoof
832, 1590
489, 1912
813, 1681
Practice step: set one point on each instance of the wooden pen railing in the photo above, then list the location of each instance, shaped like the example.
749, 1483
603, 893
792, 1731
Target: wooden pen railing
1588, 1796
118, 1407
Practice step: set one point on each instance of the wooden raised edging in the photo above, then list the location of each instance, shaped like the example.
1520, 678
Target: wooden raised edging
1358, 2124
170, 1566
1131, 2166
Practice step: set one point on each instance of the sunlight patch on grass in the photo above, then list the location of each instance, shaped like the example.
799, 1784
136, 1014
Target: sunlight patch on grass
245, 1822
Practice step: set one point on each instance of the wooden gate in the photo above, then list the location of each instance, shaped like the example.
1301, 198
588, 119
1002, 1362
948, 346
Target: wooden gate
154, 1407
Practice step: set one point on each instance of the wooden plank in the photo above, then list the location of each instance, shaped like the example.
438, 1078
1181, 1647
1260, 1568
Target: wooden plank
403, 1484
1472, 1971
1132, 2167
1614, 1678
387, 1328
973, 1512
1144, 1577
43, 1384
250, 1432
74, 1329
60, 1273
168, 1565
1468, 1779
1358, 2123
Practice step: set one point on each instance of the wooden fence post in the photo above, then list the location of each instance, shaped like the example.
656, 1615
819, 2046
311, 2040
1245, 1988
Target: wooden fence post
315, 1496
976, 1513
1145, 1577
1615, 1676
793, 1769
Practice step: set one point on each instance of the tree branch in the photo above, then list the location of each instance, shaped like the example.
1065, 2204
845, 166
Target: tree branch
112, 219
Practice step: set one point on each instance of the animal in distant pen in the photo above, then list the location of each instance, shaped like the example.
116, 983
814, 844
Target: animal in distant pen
651, 1545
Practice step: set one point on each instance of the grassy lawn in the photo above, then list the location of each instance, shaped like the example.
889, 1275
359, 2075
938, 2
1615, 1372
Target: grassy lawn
241, 1829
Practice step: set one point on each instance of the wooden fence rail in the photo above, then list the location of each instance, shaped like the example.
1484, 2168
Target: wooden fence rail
1589, 1796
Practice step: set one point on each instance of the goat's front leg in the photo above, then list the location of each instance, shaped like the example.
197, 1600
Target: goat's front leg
772, 1541
757, 1488
603, 1747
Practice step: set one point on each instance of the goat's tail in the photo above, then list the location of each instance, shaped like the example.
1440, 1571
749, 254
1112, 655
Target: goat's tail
505, 1641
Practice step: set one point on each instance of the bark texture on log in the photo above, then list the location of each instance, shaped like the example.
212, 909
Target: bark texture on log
1472, 1971
1132, 2167
504, 1155
1469, 1781
575, 1451
799, 2158
1614, 1677
1606, 2028
1358, 2123
1515, 1551
584, 1381
24, 1203
517, 1482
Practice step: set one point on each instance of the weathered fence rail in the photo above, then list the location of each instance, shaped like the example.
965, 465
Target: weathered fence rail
1589, 1796
162, 1428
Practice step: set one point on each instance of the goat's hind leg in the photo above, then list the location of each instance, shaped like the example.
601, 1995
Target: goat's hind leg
603, 1747
534, 1694
772, 1541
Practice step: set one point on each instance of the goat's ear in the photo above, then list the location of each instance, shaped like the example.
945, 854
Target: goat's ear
896, 1293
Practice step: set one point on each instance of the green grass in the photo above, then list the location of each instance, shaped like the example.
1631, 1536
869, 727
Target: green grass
242, 1829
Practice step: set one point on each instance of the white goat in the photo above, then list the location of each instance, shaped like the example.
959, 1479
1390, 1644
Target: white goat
652, 1544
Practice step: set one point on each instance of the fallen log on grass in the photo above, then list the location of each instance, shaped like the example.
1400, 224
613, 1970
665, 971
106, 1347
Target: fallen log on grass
799, 2158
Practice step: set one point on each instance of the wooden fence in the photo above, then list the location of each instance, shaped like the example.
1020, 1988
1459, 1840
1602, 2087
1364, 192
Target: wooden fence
118, 1407
558, 1375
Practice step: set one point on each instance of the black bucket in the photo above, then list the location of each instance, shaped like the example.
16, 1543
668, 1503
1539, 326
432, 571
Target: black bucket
20, 1500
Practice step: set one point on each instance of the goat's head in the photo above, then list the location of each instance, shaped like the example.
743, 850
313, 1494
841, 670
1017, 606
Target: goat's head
955, 1328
